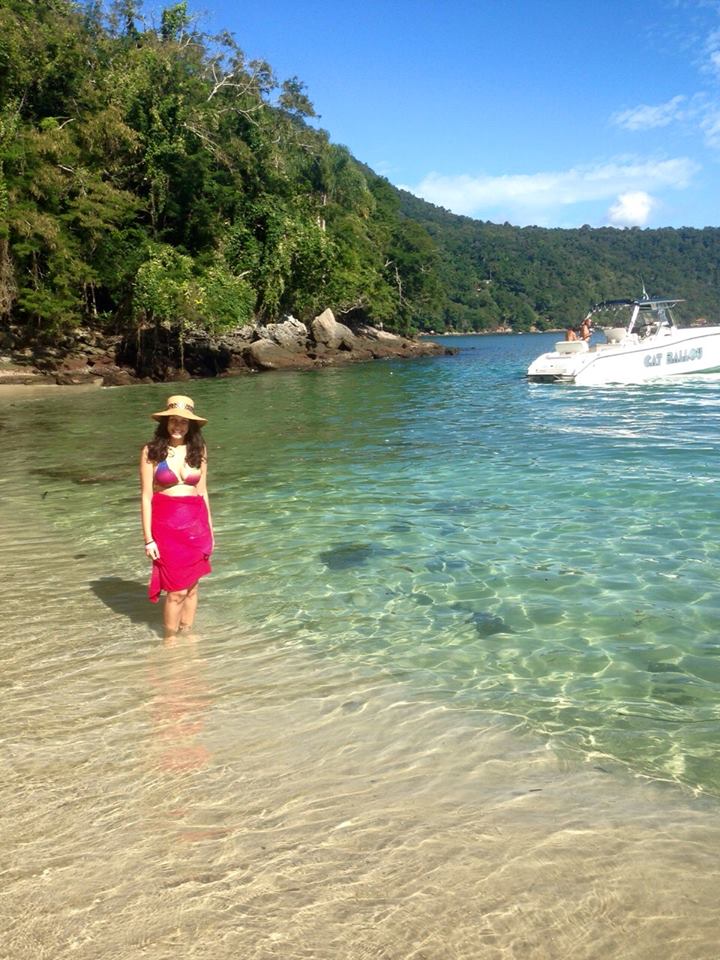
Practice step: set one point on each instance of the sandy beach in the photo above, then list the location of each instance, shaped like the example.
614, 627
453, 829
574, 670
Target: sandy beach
18, 391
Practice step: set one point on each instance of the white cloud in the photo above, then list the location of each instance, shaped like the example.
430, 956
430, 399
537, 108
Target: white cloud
710, 125
632, 209
537, 197
646, 117
712, 50
699, 111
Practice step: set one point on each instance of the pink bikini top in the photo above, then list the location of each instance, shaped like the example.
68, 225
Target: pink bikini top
165, 476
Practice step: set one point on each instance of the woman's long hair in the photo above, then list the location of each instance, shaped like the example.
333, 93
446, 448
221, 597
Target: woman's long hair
158, 446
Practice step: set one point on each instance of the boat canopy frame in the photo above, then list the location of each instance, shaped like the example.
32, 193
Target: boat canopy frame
660, 307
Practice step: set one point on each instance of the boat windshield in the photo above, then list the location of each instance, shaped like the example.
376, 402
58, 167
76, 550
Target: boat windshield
642, 317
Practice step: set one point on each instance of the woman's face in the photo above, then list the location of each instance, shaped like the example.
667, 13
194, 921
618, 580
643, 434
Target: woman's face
177, 428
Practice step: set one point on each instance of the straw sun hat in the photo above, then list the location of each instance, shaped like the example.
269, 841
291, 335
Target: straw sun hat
179, 406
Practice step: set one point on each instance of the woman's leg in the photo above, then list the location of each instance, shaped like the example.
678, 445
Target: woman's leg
187, 613
174, 603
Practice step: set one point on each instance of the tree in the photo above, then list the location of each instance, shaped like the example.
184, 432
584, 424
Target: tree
153, 176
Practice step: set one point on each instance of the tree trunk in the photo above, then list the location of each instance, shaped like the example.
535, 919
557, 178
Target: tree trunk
8, 289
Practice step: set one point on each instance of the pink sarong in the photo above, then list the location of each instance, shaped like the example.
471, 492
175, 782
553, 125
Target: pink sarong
181, 530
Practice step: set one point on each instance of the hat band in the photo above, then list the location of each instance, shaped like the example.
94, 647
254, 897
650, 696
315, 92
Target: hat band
181, 406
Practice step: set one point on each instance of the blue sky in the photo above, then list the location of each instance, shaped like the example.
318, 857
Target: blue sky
549, 112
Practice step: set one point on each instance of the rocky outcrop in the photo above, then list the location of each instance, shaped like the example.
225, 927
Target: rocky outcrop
156, 354
268, 355
327, 332
290, 334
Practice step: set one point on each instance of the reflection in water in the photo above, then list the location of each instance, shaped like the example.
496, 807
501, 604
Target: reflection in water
180, 699
178, 705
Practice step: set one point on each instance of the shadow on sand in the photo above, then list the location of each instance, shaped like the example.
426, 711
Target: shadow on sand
128, 598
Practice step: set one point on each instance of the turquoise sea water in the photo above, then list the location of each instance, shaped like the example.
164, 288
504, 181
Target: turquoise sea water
453, 692
539, 553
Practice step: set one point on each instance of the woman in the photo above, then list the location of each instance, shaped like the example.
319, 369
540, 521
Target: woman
176, 511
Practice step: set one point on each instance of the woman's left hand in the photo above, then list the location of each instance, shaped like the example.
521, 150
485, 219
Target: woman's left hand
151, 550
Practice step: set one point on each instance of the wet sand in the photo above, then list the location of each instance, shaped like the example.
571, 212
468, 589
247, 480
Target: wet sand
19, 391
233, 797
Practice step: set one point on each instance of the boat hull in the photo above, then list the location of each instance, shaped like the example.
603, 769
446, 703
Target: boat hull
679, 352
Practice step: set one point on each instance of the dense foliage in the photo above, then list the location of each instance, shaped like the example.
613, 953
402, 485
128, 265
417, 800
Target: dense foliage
531, 277
150, 175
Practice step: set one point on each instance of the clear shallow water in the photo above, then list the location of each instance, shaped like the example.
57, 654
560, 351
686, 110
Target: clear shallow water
427, 574
541, 552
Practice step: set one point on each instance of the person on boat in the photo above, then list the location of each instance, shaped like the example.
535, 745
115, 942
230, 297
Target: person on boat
570, 334
585, 330
175, 511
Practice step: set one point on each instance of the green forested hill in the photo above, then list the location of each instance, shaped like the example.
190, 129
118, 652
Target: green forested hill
504, 275
152, 175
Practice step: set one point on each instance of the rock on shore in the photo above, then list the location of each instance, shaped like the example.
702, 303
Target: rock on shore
153, 354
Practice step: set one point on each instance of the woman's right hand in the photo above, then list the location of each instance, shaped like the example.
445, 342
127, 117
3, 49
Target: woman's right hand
151, 550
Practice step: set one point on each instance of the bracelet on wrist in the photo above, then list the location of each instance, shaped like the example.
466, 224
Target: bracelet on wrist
148, 542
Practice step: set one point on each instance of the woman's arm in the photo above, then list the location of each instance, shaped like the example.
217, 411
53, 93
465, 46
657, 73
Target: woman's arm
202, 488
146, 495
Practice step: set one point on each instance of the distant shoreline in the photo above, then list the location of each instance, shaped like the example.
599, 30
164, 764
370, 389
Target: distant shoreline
487, 333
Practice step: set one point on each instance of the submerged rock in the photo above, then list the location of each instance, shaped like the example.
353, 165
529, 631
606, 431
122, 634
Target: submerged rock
347, 555
488, 624
70, 474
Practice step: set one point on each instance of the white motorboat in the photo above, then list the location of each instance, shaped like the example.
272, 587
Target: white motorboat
643, 342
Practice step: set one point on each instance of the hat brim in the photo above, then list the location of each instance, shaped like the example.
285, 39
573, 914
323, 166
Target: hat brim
185, 414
